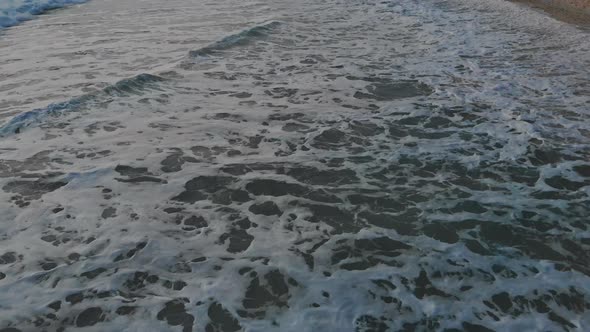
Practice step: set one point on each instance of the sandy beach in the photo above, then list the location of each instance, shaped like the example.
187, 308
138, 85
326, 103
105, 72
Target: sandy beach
570, 11
582, 4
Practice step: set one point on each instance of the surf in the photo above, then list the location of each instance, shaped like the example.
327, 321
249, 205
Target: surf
13, 12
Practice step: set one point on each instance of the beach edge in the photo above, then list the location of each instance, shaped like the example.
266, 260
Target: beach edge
570, 11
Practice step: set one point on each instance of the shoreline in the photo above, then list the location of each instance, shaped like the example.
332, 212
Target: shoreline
570, 11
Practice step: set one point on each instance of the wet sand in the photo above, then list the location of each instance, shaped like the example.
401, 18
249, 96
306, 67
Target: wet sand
570, 11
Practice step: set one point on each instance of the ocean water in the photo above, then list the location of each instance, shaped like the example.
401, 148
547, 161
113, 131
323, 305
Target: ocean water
13, 12
299, 165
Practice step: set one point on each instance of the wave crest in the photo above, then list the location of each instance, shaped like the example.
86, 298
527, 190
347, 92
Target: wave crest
16, 11
127, 87
241, 38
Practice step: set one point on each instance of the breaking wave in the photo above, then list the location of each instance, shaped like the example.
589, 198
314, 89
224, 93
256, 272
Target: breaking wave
241, 38
12, 12
127, 87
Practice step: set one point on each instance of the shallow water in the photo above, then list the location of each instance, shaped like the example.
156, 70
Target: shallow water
295, 166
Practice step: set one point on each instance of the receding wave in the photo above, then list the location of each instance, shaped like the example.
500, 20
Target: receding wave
127, 87
15, 11
238, 39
